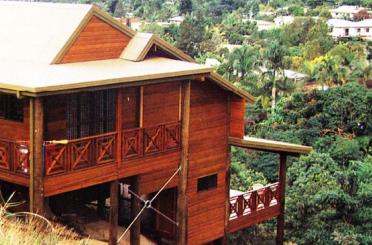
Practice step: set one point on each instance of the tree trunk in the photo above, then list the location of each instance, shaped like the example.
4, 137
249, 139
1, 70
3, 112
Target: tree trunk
273, 94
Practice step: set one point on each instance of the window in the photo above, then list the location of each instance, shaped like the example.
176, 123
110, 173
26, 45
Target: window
358, 30
90, 113
367, 29
11, 108
207, 183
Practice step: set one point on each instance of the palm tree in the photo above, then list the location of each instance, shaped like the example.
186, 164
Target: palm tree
245, 60
274, 55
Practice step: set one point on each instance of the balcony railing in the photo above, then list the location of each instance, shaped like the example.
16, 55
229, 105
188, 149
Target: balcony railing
80, 153
14, 156
101, 149
141, 142
254, 206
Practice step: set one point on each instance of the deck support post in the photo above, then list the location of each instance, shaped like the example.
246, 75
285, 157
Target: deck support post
183, 175
101, 202
135, 230
36, 148
114, 207
225, 240
282, 182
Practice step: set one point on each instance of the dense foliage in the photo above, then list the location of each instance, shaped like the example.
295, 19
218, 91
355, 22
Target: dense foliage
329, 192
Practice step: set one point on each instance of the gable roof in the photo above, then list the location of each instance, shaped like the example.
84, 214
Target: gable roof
26, 35
35, 37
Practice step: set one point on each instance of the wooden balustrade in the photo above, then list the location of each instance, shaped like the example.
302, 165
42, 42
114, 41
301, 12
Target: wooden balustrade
141, 142
14, 156
100, 149
80, 153
254, 206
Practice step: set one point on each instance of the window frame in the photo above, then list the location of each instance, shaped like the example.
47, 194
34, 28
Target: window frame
207, 186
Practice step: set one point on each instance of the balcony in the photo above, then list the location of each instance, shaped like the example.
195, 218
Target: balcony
69, 156
254, 206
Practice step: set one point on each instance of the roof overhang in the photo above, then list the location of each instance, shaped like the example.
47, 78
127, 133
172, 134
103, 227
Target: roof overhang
270, 146
225, 84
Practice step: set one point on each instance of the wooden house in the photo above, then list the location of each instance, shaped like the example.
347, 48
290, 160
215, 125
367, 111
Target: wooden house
86, 101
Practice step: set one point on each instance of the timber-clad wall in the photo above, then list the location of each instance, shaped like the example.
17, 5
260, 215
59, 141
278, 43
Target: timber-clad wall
17, 130
160, 105
97, 41
207, 155
237, 109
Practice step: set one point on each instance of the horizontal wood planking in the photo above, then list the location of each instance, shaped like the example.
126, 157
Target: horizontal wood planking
97, 41
14, 178
237, 111
16, 130
208, 155
130, 101
79, 179
55, 117
161, 103
152, 182
258, 217
149, 164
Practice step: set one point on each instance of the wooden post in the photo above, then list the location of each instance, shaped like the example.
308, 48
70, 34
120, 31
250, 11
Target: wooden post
225, 239
101, 201
135, 231
183, 175
114, 203
282, 182
36, 156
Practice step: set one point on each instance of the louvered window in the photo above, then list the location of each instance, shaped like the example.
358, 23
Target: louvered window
91, 113
11, 108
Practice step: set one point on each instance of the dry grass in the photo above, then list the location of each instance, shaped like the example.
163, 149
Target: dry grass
32, 229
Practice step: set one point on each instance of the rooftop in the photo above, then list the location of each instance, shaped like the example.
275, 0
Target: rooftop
32, 50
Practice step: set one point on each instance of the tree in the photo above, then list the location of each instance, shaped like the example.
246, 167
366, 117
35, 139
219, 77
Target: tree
274, 56
185, 7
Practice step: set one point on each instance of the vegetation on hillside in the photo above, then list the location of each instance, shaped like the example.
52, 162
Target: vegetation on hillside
32, 229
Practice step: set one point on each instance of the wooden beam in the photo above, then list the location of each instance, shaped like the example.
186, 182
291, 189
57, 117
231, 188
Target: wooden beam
141, 108
123, 84
183, 175
270, 146
135, 230
36, 156
119, 125
228, 173
114, 208
282, 182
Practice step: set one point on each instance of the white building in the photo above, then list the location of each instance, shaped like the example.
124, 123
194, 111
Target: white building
345, 12
344, 28
284, 20
264, 25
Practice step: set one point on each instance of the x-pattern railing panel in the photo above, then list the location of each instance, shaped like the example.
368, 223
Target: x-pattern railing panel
14, 156
131, 143
55, 159
254, 201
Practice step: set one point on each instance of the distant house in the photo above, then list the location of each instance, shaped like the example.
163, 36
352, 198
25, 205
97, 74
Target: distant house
345, 29
263, 25
176, 20
345, 11
132, 22
283, 20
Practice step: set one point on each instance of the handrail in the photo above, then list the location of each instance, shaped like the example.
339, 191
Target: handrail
254, 201
70, 155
